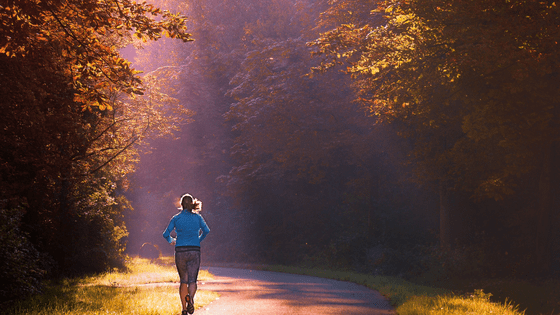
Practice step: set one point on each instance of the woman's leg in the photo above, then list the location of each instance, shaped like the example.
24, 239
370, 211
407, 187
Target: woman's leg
192, 290
193, 265
181, 260
183, 291
188, 264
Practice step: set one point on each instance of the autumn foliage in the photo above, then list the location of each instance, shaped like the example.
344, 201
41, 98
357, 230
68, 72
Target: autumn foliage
74, 112
473, 83
393, 137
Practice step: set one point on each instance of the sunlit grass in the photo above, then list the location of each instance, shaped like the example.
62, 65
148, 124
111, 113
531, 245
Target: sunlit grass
145, 289
412, 299
476, 303
142, 271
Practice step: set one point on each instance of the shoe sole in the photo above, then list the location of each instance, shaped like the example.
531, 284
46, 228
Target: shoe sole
190, 307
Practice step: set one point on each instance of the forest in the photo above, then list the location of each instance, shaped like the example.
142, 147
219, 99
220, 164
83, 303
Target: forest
410, 138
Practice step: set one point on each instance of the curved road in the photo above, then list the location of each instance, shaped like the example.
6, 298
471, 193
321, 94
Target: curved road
252, 292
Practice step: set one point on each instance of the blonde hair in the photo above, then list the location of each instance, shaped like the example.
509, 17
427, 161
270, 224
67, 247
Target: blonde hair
190, 203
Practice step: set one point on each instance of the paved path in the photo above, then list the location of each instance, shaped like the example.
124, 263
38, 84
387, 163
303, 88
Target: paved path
252, 292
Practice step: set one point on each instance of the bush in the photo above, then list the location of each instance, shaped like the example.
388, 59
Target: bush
21, 265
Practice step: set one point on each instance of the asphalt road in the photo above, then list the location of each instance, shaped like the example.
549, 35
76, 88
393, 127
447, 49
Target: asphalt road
252, 292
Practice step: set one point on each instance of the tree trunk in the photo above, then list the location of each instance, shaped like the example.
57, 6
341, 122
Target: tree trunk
543, 214
445, 238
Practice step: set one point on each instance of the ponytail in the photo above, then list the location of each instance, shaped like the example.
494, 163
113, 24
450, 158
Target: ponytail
190, 203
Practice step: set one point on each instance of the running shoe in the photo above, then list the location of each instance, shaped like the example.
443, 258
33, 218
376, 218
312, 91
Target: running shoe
190, 304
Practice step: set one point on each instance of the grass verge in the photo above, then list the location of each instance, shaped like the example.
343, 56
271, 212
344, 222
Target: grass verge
147, 288
412, 299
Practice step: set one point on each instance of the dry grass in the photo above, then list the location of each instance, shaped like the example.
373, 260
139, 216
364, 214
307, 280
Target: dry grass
147, 288
478, 303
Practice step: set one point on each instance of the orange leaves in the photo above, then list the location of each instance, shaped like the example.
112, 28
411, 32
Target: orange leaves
86, 32
68, 102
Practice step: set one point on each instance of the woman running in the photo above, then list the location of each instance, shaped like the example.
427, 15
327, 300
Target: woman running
191, 230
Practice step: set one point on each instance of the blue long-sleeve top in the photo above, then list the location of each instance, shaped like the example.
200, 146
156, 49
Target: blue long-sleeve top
190, 227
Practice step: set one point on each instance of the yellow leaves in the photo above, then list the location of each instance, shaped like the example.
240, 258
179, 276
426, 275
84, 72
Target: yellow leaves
141, 36
369, 67
358, 68
104, 106
3, 51
88, 104
402, 18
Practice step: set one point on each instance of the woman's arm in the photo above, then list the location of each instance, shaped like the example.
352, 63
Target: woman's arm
204, 228
167, 232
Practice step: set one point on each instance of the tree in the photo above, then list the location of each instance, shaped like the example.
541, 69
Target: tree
473, 81
76, 35
73, 112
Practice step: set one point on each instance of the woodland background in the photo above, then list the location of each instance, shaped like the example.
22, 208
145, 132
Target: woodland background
410, 138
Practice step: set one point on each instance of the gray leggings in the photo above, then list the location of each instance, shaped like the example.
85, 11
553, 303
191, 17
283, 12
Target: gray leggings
188, 263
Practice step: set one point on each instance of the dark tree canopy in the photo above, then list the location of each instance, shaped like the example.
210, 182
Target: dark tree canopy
74, 112
474, 86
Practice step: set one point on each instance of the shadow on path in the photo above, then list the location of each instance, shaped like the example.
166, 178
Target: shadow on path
253, 292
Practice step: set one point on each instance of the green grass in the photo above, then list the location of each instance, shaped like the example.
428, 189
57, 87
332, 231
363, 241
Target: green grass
412, 299
147, 288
